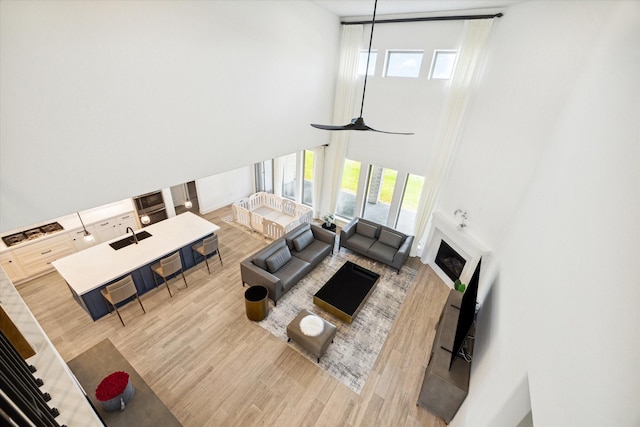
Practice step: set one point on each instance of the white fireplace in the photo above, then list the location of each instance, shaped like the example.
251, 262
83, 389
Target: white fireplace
460, 240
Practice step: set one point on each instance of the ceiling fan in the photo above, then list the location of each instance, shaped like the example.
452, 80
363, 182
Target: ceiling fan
358, 122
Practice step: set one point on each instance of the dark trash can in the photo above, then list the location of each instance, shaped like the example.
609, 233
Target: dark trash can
256, 300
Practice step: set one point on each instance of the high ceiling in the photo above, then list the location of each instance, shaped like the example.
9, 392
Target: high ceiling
364, 8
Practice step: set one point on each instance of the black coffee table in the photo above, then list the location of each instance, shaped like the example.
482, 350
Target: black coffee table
346, 292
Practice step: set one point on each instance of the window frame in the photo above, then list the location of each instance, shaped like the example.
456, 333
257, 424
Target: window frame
405, 185
434, 60
360, 185
384, 171
312, 155
390, 52
295, 184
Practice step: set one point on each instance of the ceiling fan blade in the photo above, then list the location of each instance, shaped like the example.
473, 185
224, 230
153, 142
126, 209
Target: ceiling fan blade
330, 127
358, 124
391, 133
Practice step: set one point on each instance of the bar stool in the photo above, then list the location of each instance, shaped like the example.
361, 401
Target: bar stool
168, 266
208, 247
119, 291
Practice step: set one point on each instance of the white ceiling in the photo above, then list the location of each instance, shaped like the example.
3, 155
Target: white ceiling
364, 8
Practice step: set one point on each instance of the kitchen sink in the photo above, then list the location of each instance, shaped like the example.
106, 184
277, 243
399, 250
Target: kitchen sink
129, 240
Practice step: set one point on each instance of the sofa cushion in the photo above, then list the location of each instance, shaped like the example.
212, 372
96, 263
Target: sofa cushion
315, 252
303, 240
366, 230
391, 238
278, 259
292, 272
359, 243
381, 252
260, 258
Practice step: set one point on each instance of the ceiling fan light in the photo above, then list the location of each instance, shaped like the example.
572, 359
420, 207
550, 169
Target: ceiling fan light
188, 204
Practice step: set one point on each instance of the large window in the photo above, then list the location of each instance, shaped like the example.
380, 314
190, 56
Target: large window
403, 63
289, 176
386, 197
307, 187
346, 207
409, 205
379, 195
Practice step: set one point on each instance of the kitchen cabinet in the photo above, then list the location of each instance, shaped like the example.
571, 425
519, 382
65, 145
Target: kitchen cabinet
31, 257
77, 237
11, 266
111, 228
36, 257
106, 230
126, 220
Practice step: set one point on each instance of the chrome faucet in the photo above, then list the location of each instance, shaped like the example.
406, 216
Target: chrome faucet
135, 238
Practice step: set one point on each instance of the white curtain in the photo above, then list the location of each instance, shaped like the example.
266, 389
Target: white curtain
343, 112
469, 63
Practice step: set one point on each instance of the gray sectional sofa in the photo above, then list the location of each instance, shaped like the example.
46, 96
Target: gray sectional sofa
377, 242
281, 264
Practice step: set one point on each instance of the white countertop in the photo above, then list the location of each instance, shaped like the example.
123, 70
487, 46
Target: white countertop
91, 268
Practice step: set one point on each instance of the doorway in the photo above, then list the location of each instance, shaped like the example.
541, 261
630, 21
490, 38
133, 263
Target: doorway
184, 193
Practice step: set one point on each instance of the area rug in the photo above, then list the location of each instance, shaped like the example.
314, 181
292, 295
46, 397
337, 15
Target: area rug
355, 348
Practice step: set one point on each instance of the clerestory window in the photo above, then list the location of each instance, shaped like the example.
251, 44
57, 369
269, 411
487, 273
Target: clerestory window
403, 63
442, 64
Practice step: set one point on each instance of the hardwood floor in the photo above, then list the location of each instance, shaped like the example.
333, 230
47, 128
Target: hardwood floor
212, 366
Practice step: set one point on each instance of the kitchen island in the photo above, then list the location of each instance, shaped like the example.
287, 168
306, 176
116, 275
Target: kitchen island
88, 271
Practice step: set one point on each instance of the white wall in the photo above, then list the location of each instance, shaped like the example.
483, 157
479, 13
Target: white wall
548, 168
535, 53
104, 100
223, 189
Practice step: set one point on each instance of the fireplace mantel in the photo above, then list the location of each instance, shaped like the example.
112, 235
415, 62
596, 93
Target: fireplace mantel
461, 240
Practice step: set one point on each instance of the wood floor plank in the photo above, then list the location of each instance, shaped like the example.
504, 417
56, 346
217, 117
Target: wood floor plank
212, 366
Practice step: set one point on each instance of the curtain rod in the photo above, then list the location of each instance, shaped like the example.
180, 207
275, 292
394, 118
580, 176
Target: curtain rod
431, 18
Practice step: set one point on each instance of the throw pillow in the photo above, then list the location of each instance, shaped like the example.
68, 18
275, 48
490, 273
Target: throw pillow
303, 240
295, 233
278, 259
367, 230
390, 238
261, 258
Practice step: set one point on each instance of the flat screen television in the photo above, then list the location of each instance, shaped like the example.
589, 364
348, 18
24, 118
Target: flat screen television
467, 314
